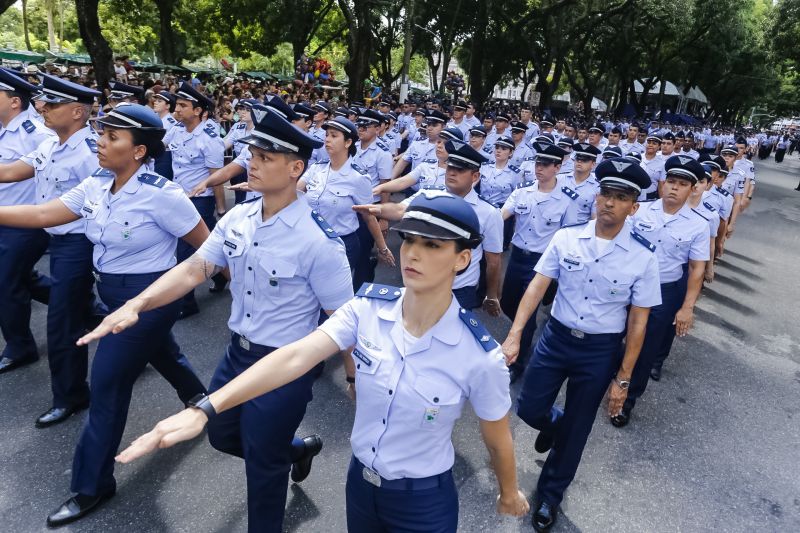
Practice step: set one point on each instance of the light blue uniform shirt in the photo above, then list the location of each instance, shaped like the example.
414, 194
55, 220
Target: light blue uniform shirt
377, 162
520, 154
628, 147
318, 154
721, 199
655, 169
677, 239
411, 391
22, 136
134, 231
463, 127
429, 174
419, 151
497, 184
60, 167
333, 193
194, 154
238, 131
283, 270
706, 210
539, 215
168, 121
595, 288
582, 209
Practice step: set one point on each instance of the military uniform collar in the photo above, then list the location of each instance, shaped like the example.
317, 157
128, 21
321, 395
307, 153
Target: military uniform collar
623, 238
447, 330
289, 214
472, 197
79, 136
17, 121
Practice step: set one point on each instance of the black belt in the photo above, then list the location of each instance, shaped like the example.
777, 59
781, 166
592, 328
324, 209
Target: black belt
126, 280
578, 334
406, 483
518, 252
670, 284
248, 345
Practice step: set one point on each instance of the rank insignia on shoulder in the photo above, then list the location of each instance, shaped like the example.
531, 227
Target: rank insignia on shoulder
698, 213
433, 187
92, 144
487, 149
382, 146
382, 292
429, 161
324, 226
478, 330
28, 126
525, 184
209, 130
569, 192
102, 173
531, 158
514, 169
171, 120
644, 242
709, 207
723, 191
358, 169
153, 179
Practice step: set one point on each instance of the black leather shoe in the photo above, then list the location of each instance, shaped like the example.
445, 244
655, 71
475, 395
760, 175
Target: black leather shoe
7, 364
544, 517
622, 419
544, 441
56, 415
187, 312
76, 508
302, 467
655, 373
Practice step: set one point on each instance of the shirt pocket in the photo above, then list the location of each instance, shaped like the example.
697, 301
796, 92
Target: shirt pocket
615, 286
441, 402
522, 209
366, 363
569, 266
679, 242
279, 276
124, 227
233, 248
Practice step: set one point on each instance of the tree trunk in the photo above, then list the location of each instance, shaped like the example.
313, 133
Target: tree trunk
359, 45
25, 25
478, 91
96, 44
51, 27
167, 41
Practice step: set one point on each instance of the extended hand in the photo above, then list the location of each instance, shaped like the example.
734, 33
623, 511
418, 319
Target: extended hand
386, 257
368, 209
683, 321
491, 306
200, 189
120, 320
511, 349
185, 425
239, 187
616, 398
517, 505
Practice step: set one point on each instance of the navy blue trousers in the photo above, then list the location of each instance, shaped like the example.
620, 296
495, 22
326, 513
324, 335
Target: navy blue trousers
519, 274
205, 205
658, 337
372, 509
20, 249
587, 365
117, 364
261, 431
364, 266
669, 337
352, 247
71, 298
239, 196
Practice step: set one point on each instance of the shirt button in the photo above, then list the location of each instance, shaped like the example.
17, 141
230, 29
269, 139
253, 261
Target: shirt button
596, 260
249, 268
384, 421
590, 281
249, 292
390, 392
585, 297
436, 399
373, 449
581, 318
255, 244
273, 272
358, 366
248, 315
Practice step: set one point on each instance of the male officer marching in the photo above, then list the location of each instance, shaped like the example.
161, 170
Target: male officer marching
601, 268
20, 135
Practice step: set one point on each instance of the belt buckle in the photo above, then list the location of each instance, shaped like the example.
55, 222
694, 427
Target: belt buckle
577, 333
244, 343
371, 476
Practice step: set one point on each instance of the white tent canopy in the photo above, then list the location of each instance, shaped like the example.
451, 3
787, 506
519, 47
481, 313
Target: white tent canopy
669, 88
697, 95
599, 105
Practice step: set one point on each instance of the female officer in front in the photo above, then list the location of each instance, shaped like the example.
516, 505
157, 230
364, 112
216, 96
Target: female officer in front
418, 356
334, 187
134, 219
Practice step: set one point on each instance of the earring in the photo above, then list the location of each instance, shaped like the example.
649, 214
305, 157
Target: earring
136, 157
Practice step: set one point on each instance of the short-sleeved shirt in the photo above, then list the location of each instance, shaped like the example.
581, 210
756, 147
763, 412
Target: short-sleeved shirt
376, 161
721, 199
520, 154
497, 184
21, 137
708, 212
594, 287
678, 239
419, 151
134, 231
539, 215
283, 270
194, 154
60, 167
411, 391
582, 209
429, 174
628, 147
168, 121
655, 169
238, 131
318, 154
333, 193
463, 127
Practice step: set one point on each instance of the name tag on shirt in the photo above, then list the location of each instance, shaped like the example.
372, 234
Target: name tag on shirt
644, 226
361, 357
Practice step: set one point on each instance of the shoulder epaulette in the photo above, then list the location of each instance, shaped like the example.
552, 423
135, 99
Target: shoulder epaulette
28, 126
529, 158
481, 333
433, 187
358, 169
381, 292
102, 173
429, 161
240, 125
92, 144
575, 225
644, 242
514, 169
487, 149
171, 120
153, 179
382, 146
709, 207
209, 130
525, 184
698, 213
324, 226
569, 192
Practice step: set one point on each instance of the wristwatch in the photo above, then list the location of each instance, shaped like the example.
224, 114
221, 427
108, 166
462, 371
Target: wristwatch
622, 383
202, 402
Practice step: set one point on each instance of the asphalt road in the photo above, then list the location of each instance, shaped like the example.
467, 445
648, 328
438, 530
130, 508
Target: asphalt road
714, 446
